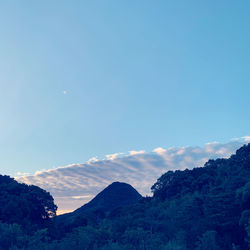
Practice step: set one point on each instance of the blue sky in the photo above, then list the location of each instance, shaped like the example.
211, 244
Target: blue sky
89, 78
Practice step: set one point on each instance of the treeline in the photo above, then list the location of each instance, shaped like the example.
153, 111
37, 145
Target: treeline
204, 208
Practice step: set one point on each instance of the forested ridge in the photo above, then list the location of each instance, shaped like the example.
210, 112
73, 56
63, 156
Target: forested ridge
205, 208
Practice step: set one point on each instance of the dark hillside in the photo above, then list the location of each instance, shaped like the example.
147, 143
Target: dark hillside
116, 195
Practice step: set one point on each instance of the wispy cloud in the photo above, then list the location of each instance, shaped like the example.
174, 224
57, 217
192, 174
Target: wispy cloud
113, 156
93, 159
159, 150
76, 184
133, 152
22, 174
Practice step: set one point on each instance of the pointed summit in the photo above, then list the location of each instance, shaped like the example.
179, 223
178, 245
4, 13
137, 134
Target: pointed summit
115, 195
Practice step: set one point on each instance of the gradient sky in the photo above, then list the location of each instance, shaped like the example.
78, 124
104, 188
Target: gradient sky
88, 78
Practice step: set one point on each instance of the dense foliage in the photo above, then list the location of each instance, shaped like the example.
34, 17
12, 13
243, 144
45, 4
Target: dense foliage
28, 206
204, 208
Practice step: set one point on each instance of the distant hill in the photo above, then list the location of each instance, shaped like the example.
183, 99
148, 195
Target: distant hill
117, 194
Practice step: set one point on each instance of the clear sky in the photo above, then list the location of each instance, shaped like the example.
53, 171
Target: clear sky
88, 78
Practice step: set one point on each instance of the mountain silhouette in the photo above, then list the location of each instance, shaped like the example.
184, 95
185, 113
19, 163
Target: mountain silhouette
117, 194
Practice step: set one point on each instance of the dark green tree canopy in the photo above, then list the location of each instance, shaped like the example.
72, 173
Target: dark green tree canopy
24, 204
229, 174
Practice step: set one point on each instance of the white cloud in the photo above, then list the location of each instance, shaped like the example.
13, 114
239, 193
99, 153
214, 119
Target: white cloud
113, 156
93, 159
75, 184
81, 197
22, 174
159, 150
133, 152
246, 138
